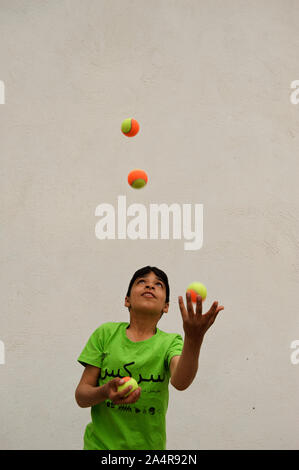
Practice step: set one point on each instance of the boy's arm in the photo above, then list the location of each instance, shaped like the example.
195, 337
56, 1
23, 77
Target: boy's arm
88, 393
184, 368
195, 326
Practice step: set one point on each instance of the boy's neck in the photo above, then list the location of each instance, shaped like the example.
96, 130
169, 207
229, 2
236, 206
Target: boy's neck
141, 331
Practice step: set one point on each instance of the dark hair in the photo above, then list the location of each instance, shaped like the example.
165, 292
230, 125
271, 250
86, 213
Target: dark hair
146, 270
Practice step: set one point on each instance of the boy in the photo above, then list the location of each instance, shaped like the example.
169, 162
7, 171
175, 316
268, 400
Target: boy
140, 350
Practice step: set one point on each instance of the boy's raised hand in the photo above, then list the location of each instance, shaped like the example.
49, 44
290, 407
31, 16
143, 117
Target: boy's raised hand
118, 398
196, 324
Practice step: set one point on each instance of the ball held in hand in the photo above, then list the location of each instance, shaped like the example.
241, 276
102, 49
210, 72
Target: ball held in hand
130, 127
128, 381
197, 288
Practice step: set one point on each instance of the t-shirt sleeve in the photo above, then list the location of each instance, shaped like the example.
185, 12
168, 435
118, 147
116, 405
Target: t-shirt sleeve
93, 350
175, 349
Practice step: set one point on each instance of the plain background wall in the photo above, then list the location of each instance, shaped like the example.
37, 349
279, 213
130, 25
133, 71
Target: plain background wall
209, 83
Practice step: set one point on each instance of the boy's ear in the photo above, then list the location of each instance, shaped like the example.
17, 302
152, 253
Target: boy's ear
127, 302
165, 309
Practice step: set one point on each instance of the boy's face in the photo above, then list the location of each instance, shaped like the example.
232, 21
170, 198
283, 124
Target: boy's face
148, 293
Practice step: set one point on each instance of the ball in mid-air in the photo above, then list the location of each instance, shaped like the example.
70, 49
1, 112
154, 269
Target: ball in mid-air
197, 288
137, 179
130, 127
128, 381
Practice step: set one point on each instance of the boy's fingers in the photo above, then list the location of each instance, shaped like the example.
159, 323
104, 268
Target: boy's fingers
133, 396
120, 396
218, 310
182, 308
115, 383
189, 304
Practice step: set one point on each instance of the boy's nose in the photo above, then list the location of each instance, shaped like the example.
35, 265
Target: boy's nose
148, 286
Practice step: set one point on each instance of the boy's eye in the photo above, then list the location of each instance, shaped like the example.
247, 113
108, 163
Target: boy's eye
142, 280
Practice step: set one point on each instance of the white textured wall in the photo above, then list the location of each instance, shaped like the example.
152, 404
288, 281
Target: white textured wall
209, 83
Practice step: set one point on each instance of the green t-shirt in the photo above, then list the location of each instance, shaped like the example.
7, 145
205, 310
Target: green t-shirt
140, 425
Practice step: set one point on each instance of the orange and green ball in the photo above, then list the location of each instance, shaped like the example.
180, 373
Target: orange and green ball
128, 381
130, 127
197, 288
137, 179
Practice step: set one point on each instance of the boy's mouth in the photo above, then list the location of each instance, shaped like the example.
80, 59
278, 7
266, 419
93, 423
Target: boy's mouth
148, 294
